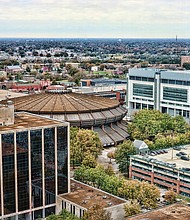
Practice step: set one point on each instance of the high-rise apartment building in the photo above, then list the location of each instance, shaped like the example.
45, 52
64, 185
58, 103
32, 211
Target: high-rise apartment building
34, 166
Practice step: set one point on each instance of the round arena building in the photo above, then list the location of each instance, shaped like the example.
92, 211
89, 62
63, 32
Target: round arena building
103, 115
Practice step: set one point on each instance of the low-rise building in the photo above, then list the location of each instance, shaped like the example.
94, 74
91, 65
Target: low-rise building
82, 197
13, 69
141, 147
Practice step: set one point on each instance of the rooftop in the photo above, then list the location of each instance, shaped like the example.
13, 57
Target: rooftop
5, 93
26, 120
87, 196
170, 157
62, 103
172, 212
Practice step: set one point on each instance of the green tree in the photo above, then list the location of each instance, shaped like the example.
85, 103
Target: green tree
64, 215
122, 155
28, 69
132, 208
157, 129
146, 194
96, 212
186, 66
111, 155
109, 170
82, 141
89, 160
170, 196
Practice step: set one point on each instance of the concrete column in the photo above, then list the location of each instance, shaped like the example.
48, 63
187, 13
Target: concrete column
152, 178
43, 174
15, 164
29, 216
130, 171
157, 91
178, 183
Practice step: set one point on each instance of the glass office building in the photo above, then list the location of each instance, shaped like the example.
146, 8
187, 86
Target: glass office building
34, 156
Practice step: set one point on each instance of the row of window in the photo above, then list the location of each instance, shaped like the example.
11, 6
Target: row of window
175, 94
143, 90
144, 79
176, 82
166, 81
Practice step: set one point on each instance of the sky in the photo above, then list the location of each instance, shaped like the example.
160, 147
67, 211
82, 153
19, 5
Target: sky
95, 18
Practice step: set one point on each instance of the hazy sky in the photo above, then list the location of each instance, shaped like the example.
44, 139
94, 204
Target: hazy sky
95, 18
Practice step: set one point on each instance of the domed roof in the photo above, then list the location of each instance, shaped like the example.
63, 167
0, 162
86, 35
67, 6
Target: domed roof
61, 103
103, 115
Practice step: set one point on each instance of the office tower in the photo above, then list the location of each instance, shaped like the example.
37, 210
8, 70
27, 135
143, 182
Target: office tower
34, 165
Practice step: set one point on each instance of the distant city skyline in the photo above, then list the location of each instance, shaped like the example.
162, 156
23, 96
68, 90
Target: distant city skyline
95, 19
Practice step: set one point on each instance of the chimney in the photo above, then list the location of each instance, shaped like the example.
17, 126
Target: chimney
7, 113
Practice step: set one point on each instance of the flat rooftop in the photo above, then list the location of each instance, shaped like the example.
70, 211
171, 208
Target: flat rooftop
170, 157
26, 120
4, 93
172, 212
87, 196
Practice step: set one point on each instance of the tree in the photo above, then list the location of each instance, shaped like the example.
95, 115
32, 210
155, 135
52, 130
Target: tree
102, 67
122, 155
76, 153
144, 64
109, 170
89, 160
111, 155
82, 141
145, 193
132, 208
170, 196
186, 66
158, 129
72, 71
28, 69
64, 215
96, 212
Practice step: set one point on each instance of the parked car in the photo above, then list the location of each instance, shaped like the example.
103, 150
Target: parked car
177, 148
182, 153
184, 158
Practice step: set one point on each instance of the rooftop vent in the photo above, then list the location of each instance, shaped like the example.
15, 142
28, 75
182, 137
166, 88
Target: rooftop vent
84, 202
7, 114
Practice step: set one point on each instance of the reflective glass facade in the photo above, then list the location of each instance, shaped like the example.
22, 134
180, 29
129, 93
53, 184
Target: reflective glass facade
36, 167
34, 170
143, 90
8, 169
22, 170
175, 94
49, 165
62, 158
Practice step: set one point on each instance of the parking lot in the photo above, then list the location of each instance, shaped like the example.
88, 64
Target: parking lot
170, 157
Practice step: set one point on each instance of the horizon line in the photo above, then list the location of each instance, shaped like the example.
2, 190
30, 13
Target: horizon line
124, 38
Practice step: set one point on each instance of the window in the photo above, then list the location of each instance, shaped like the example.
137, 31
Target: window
143, 90
175, 94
